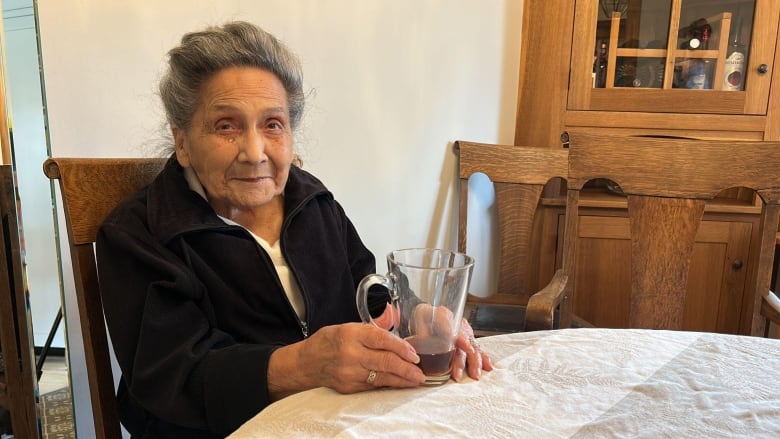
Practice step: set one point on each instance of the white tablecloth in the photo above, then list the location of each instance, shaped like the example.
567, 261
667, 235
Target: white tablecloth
587, 383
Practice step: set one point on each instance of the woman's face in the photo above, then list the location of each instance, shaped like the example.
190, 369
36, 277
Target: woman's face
239, 142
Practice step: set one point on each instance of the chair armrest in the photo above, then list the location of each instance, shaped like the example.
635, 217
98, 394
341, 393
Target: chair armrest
770, 307
539, 314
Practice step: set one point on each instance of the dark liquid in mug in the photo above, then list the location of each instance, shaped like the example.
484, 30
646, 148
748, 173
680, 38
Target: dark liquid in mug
435, 354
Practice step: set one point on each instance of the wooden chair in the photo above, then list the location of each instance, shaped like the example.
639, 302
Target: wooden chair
519, 175
667, 182
90, 189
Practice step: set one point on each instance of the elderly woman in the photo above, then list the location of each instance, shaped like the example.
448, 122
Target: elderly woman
230, 282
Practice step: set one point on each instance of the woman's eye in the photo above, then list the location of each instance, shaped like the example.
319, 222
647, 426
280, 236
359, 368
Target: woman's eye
274, 125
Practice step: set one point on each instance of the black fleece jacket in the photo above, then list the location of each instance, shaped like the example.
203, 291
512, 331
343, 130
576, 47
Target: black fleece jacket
195, 308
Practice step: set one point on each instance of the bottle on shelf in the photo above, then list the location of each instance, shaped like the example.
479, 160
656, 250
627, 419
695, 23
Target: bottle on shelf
698, 75
600, 67
734, 67
706, 30
697, 35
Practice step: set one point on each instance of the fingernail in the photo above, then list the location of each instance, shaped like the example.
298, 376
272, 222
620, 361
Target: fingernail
457, 375
415, 358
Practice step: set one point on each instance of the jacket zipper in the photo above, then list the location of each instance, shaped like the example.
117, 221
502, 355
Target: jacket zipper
303, 324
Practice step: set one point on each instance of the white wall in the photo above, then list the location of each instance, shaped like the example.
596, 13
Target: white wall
393, 83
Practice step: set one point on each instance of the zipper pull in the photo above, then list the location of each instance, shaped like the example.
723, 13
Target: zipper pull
304, 329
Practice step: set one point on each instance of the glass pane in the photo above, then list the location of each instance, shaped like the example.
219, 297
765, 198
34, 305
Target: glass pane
639, 72
708, 44
638, 31
713, 41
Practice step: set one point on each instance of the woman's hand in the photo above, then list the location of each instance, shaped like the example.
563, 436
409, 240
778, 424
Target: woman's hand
468, 355
389, 319
342, 357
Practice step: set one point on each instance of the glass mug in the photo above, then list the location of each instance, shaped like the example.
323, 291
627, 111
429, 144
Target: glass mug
428, 290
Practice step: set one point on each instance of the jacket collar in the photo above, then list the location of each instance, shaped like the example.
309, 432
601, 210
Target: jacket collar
174, 209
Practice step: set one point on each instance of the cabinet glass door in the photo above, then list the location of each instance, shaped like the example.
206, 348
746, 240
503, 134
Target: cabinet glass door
713, 42
678, 56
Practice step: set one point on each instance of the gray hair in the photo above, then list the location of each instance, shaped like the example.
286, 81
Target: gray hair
235, 44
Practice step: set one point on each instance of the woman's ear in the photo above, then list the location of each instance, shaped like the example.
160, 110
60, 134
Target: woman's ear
296, 161
182, 154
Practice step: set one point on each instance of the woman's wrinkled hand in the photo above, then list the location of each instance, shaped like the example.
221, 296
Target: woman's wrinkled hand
389, 319
468, 355
429, 320
354, 357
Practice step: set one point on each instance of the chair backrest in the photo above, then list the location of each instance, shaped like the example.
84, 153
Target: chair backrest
519, 175
90, 189
667, 182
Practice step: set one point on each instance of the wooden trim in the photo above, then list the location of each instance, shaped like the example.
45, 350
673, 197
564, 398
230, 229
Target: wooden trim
772, 130
659, 165
543, 86
18, 385
766, 18
5, 138
762, 268
581, 86
602, 199
708, 122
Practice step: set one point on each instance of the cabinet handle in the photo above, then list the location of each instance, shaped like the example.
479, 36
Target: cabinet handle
737, 264
763, 68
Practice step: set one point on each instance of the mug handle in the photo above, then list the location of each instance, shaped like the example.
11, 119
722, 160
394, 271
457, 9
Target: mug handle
361, 297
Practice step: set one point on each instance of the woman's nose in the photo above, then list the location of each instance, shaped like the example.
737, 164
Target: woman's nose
252, 148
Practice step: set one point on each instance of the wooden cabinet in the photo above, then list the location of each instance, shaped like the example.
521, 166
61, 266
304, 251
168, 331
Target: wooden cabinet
557, 93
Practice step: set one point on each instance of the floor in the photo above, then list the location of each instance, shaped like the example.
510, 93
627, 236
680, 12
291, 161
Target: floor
55, 406
55, 374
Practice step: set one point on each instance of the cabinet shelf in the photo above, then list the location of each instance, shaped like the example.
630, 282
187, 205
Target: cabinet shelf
643, 53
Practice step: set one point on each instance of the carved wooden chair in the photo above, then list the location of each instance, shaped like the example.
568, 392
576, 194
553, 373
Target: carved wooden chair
667, 182
90, 189
523, 300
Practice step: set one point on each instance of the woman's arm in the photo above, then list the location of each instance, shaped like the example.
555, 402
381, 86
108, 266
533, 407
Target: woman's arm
175, 361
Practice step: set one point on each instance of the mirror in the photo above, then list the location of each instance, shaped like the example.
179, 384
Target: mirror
26, 149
